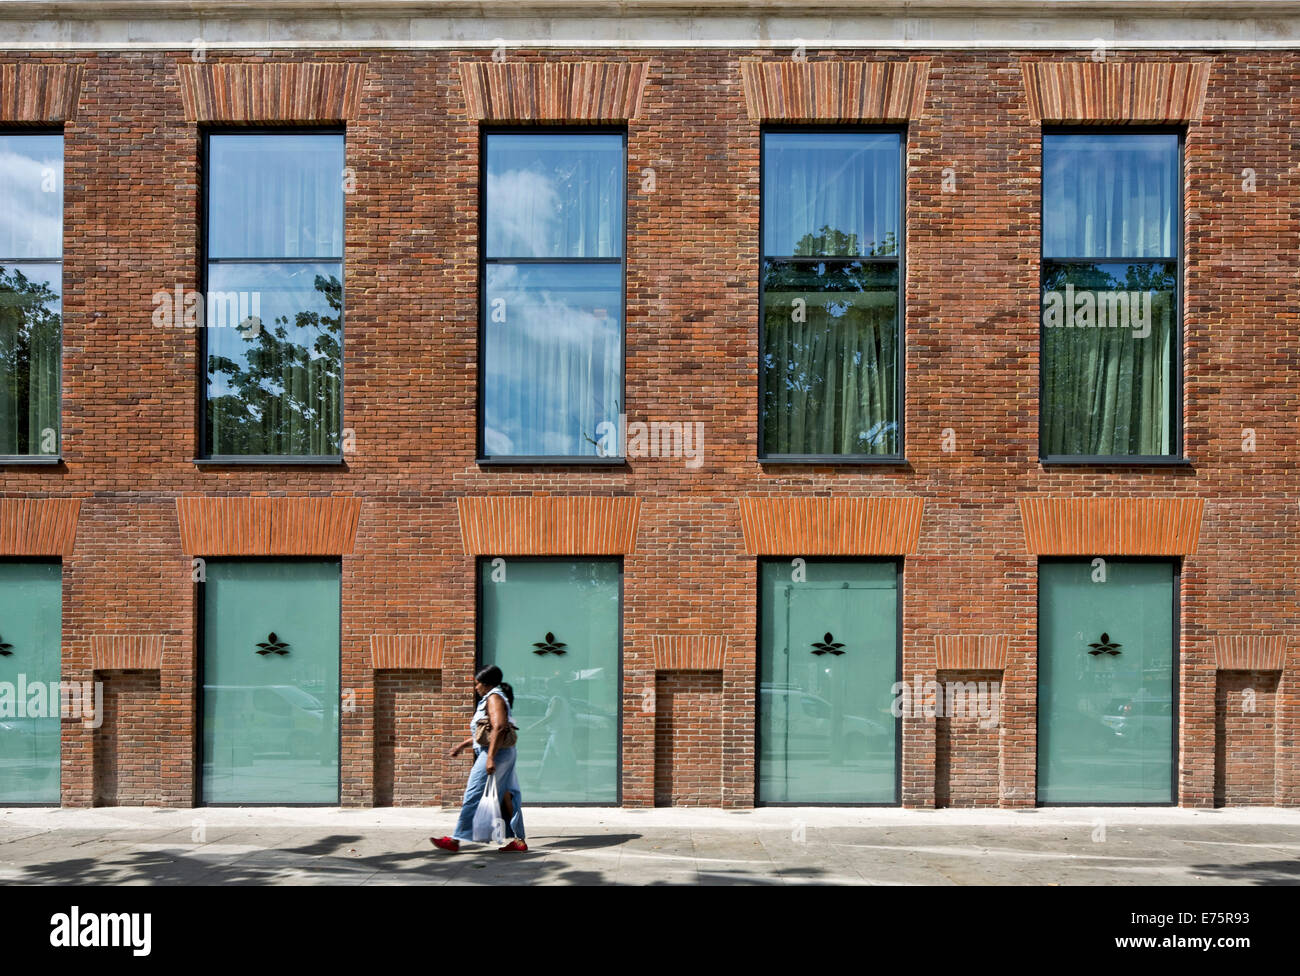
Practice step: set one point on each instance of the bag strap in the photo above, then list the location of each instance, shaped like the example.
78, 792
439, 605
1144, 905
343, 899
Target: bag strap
504, 700
487, 717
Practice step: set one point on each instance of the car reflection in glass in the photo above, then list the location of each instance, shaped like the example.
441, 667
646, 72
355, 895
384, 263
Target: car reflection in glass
1133, 718
798, 722
275, 720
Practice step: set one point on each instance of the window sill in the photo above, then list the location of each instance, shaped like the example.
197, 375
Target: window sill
1114, 461
868, 460
31, 460
251, 461
515, 462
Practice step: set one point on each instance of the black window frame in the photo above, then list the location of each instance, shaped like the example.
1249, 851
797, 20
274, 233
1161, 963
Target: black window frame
8, 129
900, 260
1177, 457
482, 458
205, 458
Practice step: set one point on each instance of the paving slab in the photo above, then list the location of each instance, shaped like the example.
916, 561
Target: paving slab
662, 846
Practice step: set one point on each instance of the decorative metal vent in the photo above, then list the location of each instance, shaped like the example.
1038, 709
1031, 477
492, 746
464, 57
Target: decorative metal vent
550, 645
273, 645
828, 645
1105, 646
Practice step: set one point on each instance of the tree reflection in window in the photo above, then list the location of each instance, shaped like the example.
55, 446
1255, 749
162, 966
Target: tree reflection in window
283, 389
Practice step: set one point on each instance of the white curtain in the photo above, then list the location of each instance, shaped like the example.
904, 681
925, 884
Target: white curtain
831, 194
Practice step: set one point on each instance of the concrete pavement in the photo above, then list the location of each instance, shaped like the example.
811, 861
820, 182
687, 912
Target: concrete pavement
767, 846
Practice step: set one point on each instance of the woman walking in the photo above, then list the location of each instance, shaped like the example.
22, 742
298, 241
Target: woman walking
495, 705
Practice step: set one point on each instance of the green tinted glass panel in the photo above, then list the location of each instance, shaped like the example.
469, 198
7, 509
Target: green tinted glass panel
31, 620
271, 703
1105, 682
828, 661
566, 696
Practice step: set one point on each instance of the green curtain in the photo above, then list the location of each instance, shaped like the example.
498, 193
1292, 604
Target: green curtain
30, 347
830, 322
831, 353
1108, 390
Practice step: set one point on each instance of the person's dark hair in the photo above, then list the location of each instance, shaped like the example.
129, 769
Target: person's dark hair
509, 692
490, 676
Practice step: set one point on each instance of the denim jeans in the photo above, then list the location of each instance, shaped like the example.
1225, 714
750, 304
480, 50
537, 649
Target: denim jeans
507, 781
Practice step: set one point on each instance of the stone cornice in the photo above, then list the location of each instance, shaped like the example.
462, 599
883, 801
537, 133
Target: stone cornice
819, 25
1040, 8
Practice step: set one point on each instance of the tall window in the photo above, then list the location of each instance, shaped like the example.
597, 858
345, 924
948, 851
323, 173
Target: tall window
31, 287
1111, 217
274, 336
552, 309
832, 240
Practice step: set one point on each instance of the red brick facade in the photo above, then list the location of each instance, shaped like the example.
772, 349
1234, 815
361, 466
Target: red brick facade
417, 500
966, 748
1246, 738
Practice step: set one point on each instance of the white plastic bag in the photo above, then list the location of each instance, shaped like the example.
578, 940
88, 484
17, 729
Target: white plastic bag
488, 822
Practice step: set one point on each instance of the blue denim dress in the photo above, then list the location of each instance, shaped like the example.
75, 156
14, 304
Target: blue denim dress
507, 780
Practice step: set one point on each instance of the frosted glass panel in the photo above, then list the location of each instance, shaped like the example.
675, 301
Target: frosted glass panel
828, 660
31, 620
566, 684
271, 682
1105, 683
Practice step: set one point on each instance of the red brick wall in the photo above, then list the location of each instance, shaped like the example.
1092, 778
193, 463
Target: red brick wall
1245, 725
688, 739
127, 753
967, 746
407, 736
129, 422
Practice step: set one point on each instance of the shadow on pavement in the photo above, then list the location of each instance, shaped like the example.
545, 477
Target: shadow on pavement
1256, 872
326, 845
589, 843
328, 861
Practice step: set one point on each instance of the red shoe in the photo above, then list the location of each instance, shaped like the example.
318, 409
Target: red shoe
446, 843
514, 845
